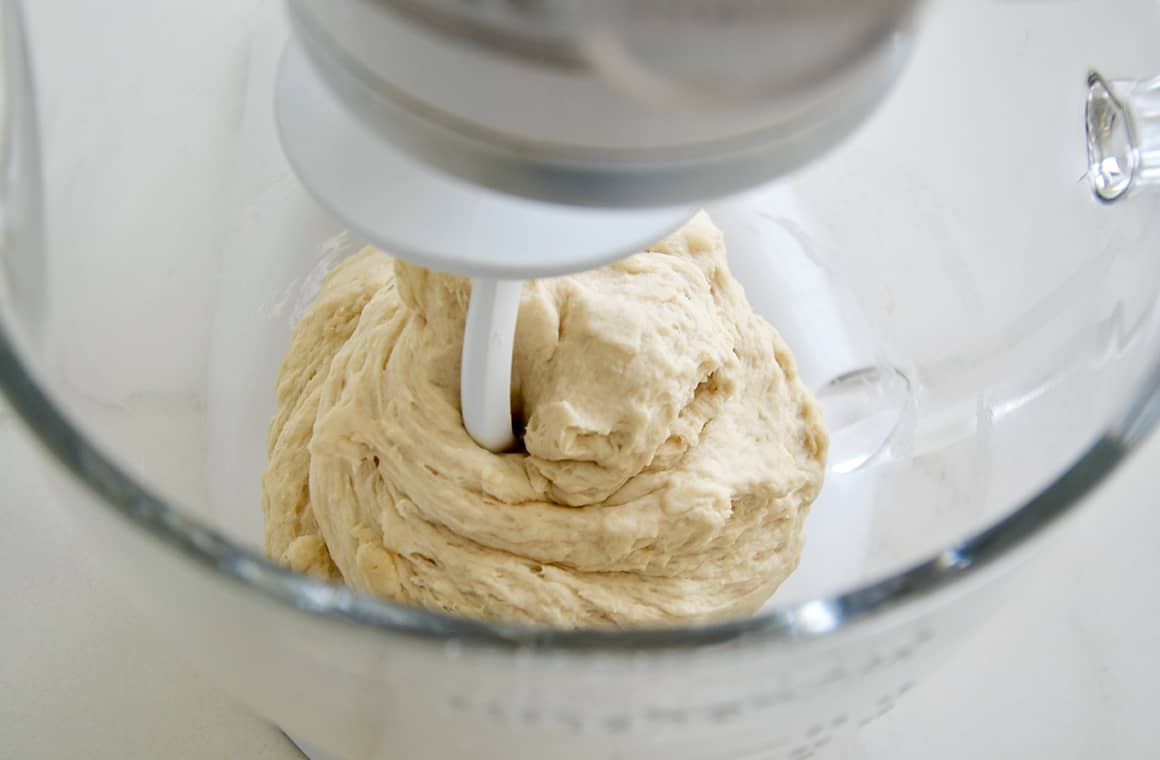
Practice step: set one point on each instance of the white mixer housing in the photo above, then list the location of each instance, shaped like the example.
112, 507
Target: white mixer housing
609, 103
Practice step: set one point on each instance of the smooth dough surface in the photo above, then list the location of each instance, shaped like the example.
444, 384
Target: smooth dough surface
670, 458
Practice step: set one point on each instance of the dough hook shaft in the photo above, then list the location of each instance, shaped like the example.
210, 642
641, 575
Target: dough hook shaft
485, 377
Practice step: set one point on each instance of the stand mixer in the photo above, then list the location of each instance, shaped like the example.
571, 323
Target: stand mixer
967, 275
604, 121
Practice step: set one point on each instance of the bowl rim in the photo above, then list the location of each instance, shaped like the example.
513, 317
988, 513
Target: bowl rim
189, 537
811, 619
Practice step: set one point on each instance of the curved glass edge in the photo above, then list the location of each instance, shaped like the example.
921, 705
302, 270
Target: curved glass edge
20, 198
814, 619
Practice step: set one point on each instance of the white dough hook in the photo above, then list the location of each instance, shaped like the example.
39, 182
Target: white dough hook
485, 374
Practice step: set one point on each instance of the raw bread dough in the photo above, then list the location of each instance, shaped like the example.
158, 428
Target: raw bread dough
671, 453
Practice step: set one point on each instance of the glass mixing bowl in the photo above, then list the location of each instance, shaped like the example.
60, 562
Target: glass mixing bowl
969, 283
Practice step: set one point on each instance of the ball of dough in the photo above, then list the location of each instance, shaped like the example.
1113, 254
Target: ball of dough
669, 455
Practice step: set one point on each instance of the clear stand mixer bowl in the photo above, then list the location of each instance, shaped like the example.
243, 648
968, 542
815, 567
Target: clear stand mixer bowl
982, 333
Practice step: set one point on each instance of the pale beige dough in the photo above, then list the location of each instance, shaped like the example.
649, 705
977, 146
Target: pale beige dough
671, 452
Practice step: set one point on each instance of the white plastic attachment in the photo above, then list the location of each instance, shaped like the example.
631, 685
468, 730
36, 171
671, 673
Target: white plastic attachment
486, 374
429, 218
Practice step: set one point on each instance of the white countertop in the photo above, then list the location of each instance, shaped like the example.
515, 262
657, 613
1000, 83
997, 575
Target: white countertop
1067, 669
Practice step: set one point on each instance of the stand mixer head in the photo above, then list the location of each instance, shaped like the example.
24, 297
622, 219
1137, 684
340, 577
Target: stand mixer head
573, 133
578, 105
609, 104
